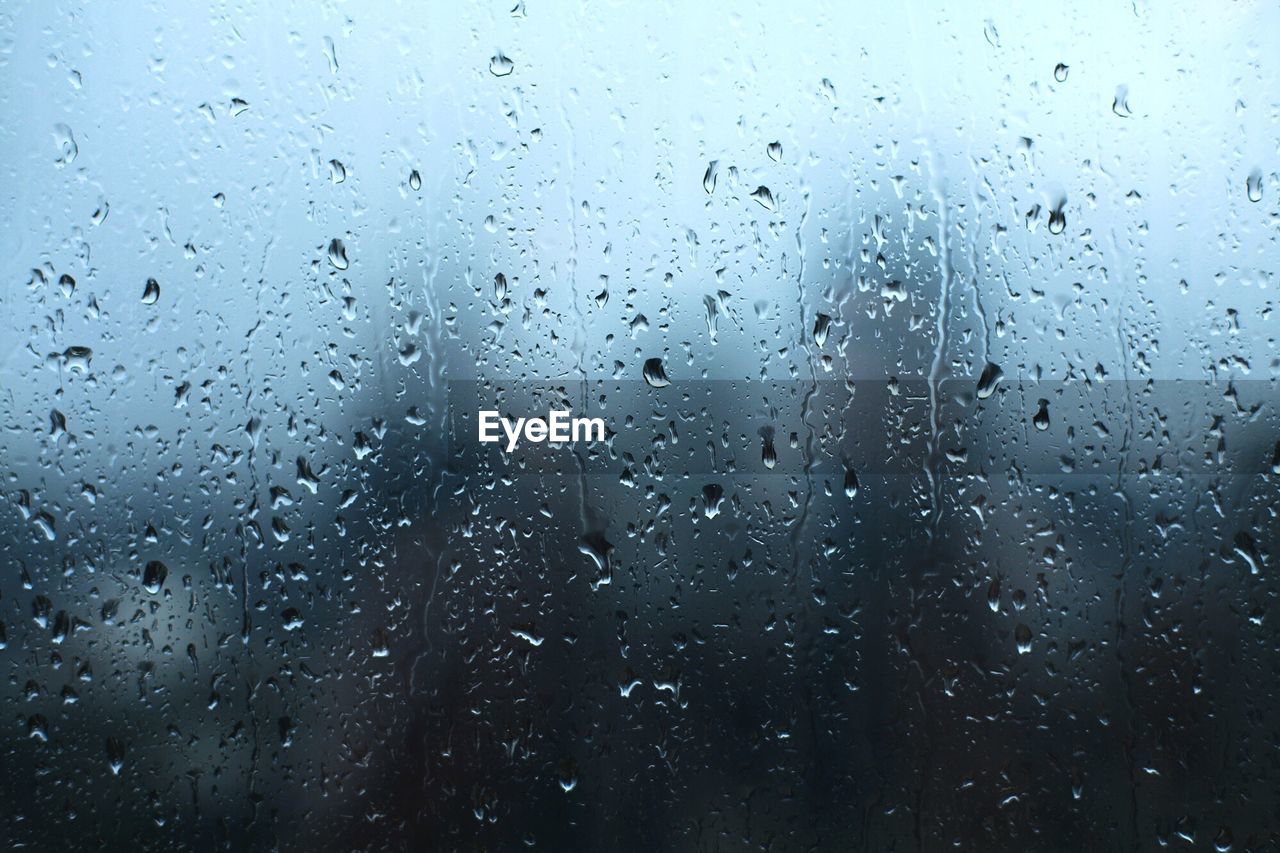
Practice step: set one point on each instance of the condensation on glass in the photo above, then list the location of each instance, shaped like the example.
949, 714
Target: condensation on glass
937, 354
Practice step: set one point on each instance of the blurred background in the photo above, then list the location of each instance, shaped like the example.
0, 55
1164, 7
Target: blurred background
939, 498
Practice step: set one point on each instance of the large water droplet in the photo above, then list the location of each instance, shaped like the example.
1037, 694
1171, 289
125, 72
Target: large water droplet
712, 497
655, 374
768, 455
115, 754
1057, 221
1022, 636
500, 66
338, 254
1041, 418
1120, 104
988, 380
153, 576
850, 482
821, 324
1253, 186
151, 293
709, 177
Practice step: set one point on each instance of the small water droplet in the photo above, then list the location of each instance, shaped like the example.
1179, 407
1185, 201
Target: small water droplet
151, 293
1060, 72
775, 151
415, 180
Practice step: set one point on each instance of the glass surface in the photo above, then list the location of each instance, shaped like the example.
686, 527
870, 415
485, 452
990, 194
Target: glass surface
937, 356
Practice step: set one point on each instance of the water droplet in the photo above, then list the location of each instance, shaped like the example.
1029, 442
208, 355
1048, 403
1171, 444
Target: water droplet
115, 754
1041, 418
709, 177
567, 775
1253, 186
712, 497
775, 151
655, 374
500, 66
1057, 221
65, 141
1120, 105
821, 325
991, 34
151, 293
768, 455
415, 180
153, 576
764, 197
1022, 636
38, 728
338, 254
77, 359
850, 482
1060, 72
988, 380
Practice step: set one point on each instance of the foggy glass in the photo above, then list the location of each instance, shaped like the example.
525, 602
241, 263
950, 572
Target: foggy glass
937, 358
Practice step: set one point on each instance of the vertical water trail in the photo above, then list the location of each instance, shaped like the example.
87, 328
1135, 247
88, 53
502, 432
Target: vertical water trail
803, 347
937, 186
978, 306
586, 517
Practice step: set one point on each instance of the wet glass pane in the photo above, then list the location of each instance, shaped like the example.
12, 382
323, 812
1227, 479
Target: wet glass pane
883, 412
